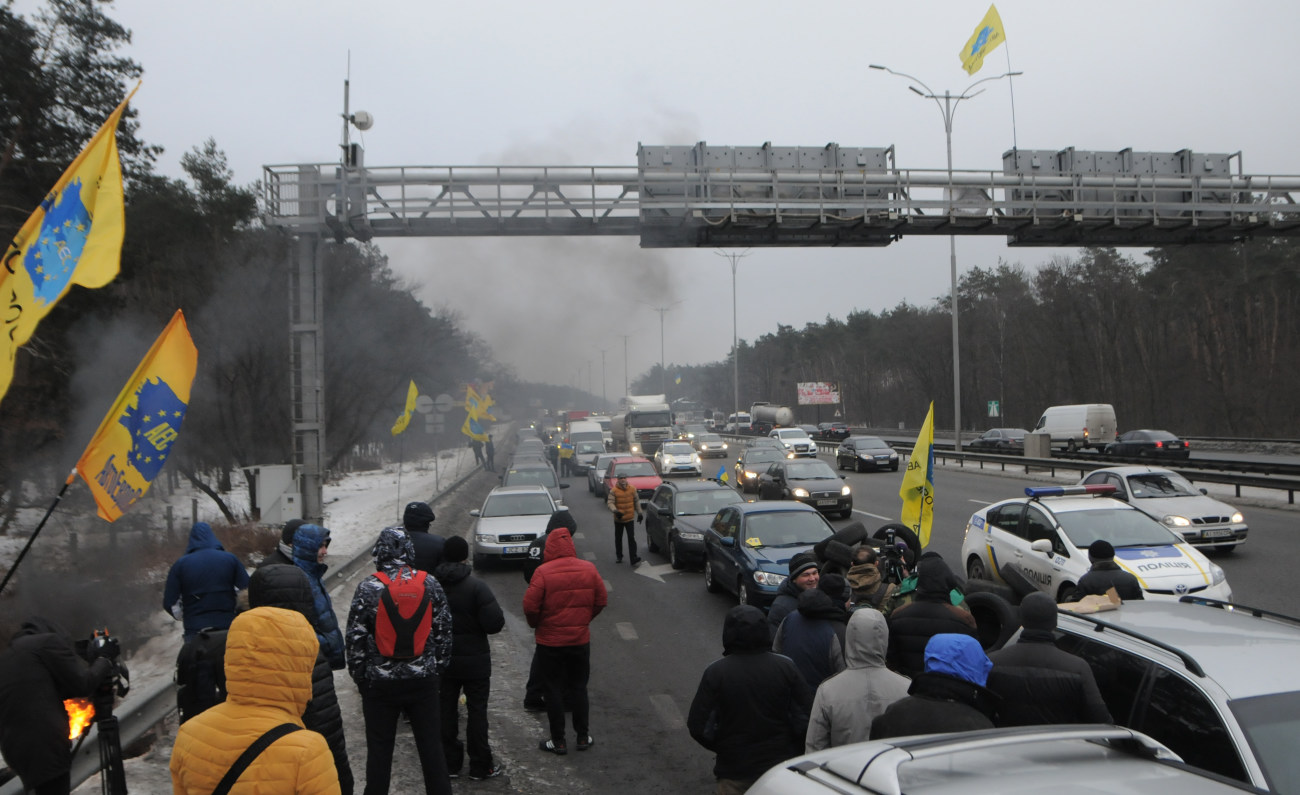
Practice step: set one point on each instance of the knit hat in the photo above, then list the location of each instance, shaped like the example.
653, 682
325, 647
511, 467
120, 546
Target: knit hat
418, 515
286, 535
1101, 550
455, 550
836, 587
1038, 611
802, 562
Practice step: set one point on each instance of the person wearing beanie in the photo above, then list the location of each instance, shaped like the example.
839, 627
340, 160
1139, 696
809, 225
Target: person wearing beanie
930, 613
949, 695
813, 635
803, 575
416, 519
1039, 683
475, 614
282, 555
1105, 574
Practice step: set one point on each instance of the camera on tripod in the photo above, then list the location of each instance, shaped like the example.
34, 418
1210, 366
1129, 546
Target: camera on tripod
102, 645
892, 567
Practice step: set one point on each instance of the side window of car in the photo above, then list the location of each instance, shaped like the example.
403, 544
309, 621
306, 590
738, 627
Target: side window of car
663, 499
1038, 527
724, 524
1119, 675
1183, 718
1007, 518
1095, 478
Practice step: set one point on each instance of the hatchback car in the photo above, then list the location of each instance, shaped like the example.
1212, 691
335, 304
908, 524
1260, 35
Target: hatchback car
679, 513
1045, 537
1172, 500
710, 445
511, 518
640, 474
1149, 444
1000, 440
753, 463
832, 431
796, 441
596, 474
748, 546
812, 482
866, 453
527, 473
677, 458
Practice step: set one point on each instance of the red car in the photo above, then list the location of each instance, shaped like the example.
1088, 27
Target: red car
640, 473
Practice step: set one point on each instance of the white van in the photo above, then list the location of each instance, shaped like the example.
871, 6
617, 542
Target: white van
1080, 426
585, 431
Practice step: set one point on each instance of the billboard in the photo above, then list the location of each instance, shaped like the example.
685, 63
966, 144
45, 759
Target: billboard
817, 393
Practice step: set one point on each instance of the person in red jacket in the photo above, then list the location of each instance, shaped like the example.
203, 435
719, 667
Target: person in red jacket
564, 595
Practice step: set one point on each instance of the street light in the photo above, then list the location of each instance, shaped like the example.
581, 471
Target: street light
735, 345
663, 376
947, 108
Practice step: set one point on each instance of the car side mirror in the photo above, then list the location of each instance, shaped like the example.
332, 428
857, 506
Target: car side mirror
664, 511
728, 541
1043, 545
476, 512
1203, 491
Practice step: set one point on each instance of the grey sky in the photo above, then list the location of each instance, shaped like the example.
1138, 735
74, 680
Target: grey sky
567, 82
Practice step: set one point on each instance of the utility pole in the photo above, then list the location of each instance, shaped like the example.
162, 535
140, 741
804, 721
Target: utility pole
625, 381
735, 344
663, 373
604, 401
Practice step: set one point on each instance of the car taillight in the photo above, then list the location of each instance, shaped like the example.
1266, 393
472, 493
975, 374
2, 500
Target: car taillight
1159, 445
1186, 443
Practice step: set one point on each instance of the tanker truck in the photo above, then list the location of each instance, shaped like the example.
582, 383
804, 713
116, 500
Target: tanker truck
763, 417
643, 423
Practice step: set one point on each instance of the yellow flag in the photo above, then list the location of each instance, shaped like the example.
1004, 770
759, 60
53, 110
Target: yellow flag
918, 483
405, 419
133, 442
986, 38
475, 411
73, 237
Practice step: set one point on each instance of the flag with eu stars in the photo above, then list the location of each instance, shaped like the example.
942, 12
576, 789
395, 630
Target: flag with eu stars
73, 237
133, 442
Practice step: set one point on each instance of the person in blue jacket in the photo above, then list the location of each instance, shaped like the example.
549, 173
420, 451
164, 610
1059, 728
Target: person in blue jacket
202, 584
310, 544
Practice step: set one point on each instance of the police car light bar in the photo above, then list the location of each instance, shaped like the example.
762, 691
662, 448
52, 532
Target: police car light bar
1067, 491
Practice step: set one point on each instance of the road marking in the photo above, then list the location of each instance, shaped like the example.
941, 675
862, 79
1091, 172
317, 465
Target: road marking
579, 537
609, 587
625, 630
655, 572
668, 711
589, 555
875, 515
979, 502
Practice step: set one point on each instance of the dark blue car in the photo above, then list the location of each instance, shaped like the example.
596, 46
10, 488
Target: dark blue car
747, 547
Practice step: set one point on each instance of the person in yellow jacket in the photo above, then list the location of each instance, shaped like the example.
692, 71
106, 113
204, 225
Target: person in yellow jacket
623, 502
270, 653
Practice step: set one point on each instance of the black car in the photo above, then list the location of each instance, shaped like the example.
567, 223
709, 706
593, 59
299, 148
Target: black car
1149, 444
752, 463
810, 481
748, 546
832, 431
1000, 440
866, 453
679, 513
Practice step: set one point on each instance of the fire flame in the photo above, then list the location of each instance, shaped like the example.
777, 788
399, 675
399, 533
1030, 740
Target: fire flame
81, 711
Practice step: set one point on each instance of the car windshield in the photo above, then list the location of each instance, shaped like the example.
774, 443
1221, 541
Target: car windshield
538, 476
763, 456
1272, 726
707, 438
591, 447
792, 433
518, 505
1122, 527
678, 449
697, 503
810, 470
1160, 484
872, 444
785, 529
602, 463
635, 469
649, 419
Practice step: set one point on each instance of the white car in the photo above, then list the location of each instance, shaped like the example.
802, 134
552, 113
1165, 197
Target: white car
1172, 500
796, 441
678, 458
1045, 537
511, 518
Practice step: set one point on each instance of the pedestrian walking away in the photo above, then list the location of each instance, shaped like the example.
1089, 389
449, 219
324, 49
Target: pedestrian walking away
202, 583
930, 613
534, 693
490, 451
416, 519
626, 507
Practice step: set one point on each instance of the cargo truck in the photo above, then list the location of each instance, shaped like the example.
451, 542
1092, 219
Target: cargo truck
643, 423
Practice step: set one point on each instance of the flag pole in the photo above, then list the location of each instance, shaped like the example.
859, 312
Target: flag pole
1011, 87
401, 454
30, 541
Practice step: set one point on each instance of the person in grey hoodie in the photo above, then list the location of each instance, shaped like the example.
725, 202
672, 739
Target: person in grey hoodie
847, 702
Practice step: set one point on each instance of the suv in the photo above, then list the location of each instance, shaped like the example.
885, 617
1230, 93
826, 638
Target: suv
795, 441
1214, 681
1059, 759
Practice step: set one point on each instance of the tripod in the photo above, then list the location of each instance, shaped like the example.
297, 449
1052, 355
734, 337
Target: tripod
112, 767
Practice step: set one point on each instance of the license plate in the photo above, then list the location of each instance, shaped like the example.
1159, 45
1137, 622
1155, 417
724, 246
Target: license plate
1216, 533
827, 502
514, 550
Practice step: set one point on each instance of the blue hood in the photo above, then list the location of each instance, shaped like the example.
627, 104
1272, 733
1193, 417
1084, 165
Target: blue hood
307, 540
202, 537
957, 655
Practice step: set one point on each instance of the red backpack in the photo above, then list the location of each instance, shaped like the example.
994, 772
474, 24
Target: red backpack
404, 619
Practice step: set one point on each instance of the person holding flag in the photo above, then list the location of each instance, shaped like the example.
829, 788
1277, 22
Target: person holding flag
918, 483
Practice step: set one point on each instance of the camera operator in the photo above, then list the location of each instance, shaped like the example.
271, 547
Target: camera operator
38, 671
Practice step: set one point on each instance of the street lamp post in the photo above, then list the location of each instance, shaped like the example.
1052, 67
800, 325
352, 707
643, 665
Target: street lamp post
947, 108
663, 375
735, 344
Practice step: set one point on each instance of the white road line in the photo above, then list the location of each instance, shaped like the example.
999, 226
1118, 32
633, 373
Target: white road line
625, 630
669, 714
875, 515
609, 587
979, 502
654, 572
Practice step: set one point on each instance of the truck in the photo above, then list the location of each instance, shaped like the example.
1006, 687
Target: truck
764, 416
643, 423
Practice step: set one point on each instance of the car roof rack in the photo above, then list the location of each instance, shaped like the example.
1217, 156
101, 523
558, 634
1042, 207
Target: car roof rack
1101, 626
1257, 612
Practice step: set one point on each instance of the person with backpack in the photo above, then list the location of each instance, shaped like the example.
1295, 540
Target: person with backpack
310, 545
399, 639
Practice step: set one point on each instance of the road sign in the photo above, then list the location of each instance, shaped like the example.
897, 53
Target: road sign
444, 403
424, 404
995, 410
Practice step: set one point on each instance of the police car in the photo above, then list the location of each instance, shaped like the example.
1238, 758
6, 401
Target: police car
1045, 538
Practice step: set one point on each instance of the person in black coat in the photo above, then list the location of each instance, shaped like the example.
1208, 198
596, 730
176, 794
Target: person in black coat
949, 696
40, 669
803, 576
287, 587
475, 614
416, 519
813, 635
1105, 574
1039, 683
751, 707
931, 613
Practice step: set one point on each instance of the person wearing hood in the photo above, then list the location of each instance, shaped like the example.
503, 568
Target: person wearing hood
202, 584
310, 546
813, 635
282, 555
803, 576
848, 702
1039, 683
475, 614
563, 597
751, 706
949, 696
931, 613
270, 653
286, 587
534, 693
391, 687
38, 671
416, 519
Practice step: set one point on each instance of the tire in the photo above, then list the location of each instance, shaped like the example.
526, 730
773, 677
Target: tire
1064, 592
1019, 583
674, 556
977, 585
975, 569
902, 533
710, 582
845, 514
1071, 447
857, 465
894, 468
995, 619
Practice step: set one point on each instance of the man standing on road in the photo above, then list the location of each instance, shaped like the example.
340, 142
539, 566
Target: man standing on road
1106, 574
803, 575
626, 507
428, 546
202, 584
490, 451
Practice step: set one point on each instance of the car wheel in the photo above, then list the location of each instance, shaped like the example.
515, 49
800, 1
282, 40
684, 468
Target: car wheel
975, 569
480, 560
846, 513
674, 556
710, 583
1064, 592
1071, 447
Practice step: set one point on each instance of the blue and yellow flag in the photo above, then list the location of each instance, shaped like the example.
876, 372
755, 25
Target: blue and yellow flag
133, 442
405, 419
918, 483
73, 237
722, 474
986, 38
476, 410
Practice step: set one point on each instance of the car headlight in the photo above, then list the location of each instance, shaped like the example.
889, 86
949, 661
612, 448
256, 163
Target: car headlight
690, 536
724, 445
636, 448
1176, 521
789, 455
893, 456
750, 475
1216, 574
799, 492
483, 538
769, 578
668, 460
1237, 518
845, 491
